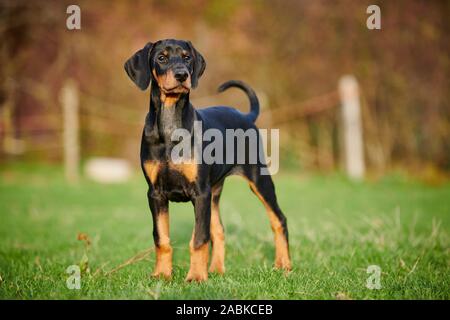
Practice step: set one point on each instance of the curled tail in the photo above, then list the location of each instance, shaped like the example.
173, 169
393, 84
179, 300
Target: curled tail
254, 103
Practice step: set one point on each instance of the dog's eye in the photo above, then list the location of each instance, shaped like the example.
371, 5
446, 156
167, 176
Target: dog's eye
187, 58
162, 58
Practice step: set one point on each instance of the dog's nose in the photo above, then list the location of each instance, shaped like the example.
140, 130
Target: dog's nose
181, 75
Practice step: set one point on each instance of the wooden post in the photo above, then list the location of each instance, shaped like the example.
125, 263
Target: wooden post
352, 127
69, 100
11, 144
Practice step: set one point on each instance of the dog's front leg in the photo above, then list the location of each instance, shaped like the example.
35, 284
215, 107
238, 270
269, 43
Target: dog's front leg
199, 245
160, 214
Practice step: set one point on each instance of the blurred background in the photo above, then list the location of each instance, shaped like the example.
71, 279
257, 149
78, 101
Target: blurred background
292, 52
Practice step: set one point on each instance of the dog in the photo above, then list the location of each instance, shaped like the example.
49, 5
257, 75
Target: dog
173, 68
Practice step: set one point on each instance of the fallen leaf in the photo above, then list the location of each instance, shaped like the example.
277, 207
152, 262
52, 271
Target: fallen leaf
84, 237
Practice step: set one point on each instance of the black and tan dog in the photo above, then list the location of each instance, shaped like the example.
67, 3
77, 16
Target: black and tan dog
174, 68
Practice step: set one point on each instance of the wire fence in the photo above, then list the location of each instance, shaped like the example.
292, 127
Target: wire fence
106, 120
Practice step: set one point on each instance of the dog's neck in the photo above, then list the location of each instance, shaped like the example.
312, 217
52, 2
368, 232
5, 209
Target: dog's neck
166, 114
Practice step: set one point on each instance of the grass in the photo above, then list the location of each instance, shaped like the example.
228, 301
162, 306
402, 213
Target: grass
337, 229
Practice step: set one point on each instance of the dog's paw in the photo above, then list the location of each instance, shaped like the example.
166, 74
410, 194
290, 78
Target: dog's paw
217, 267
197, 276
283, 264
165, 274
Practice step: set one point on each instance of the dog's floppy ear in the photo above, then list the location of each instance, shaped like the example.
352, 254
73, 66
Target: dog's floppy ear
199, 65
138, 68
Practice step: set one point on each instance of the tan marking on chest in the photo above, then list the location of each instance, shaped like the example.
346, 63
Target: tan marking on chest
151, 169
169, 101
187, 169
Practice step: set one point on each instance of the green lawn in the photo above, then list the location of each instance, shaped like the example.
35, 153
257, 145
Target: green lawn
337, 229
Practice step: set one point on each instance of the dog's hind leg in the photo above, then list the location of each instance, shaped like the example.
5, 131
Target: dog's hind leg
217, 232
263, 187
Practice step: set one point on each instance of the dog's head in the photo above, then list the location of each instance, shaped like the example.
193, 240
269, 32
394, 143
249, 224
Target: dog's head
175, 65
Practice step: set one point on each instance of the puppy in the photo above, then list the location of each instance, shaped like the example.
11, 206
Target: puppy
174, 67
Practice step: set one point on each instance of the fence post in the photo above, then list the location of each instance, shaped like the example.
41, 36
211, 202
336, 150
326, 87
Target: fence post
70, 100
352, 127
11, 144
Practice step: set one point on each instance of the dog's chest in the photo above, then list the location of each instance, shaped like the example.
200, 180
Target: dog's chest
175, 180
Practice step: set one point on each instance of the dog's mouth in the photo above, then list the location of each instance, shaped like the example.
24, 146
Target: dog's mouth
180, 88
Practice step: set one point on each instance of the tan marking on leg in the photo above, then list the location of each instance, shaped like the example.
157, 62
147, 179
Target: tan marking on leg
282, 260
187, 169
152, 168
218, 241
163, 266
198, 270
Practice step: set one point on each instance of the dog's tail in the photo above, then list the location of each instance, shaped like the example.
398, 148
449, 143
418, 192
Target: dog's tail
254, 103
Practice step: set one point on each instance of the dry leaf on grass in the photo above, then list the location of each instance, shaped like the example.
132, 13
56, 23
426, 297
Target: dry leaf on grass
85, 238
